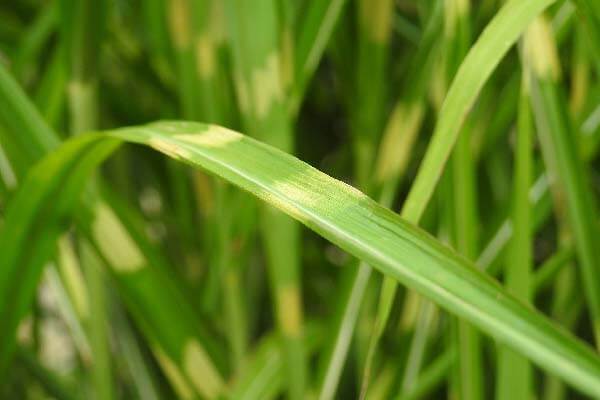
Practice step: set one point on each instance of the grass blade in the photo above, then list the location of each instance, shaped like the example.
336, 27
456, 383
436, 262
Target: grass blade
514, 372
565, 166
339, 213
314, 31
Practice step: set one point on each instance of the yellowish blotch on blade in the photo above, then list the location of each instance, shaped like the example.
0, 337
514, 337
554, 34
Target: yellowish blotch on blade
213, 136
398, 140
289, 310
217, 25
243, 96
540, 50
178, 14
114, 241
306, 191
282, 205
205, 56
266, 85
297, 194
169, 148
198, 367
287, 58
175, 376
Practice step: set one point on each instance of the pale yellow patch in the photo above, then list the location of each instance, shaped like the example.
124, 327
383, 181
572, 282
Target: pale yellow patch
462, 7
178, 15
214, 136
297, 194
243, 96
82, 106
114, 241
398, 140
205, 56
291, 197
266, 85
173, 374
309, 191
287, 59
282, 205
289, 310
376, 19
580, 85
217, 23
169, 148
540, 49
73, 278
449, 18
197, 366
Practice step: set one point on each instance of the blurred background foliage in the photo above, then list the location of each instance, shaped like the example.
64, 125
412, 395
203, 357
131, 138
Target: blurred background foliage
352, 87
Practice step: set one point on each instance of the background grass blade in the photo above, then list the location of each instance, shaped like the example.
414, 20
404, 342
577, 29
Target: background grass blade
564, 164
514, 371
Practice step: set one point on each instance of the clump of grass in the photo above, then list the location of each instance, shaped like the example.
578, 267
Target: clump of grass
205, 273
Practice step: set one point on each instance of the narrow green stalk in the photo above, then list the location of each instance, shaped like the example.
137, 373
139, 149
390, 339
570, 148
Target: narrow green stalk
99, 340
547, 272
374, 28
83, 26
50, 95
457, 36
567, 307
514, 372
138, 366
431, 376
565, 165
34, 40
264, 378
262, 101
313, 32
589, 10
181, 22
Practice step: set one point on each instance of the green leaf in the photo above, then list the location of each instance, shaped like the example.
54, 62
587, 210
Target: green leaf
331, 208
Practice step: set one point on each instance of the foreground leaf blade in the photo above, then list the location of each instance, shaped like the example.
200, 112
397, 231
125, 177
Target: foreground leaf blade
360, 226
